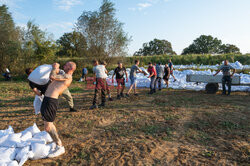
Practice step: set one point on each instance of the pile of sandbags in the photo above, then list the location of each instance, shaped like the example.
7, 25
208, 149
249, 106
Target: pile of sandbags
17, 148
144, 81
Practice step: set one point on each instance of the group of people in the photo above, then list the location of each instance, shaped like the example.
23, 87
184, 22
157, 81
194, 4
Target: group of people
121, 76
159, 73
58, 82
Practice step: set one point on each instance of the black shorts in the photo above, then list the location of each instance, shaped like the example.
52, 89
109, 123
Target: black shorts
165, 78
49, 108
42, 88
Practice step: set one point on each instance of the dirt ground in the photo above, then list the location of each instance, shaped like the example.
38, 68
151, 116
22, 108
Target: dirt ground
171, 127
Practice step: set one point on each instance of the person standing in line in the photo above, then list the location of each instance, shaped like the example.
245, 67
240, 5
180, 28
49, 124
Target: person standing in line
134, 69
104, 63
100, 77
119, 73
171, 67
152, 76
227, 76
160, 72
166, 74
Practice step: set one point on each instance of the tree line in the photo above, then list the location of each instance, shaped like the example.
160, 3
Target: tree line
97, 34
205, 44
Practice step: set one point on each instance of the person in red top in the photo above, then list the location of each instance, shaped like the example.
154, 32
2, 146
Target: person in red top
152, 76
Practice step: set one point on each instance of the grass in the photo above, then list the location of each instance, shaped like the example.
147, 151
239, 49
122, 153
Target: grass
174, 127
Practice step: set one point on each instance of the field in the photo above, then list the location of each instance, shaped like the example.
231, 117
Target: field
171, 127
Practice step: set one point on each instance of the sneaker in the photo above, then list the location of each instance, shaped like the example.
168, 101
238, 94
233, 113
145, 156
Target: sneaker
118, 97
223, 93
121, 94
101, 105
136, 94
94, 107
154, 91
110, 99
127, 95
175, 80
57, 152
72, 110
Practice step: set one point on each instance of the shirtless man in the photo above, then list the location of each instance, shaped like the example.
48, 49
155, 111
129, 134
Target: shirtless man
50, 102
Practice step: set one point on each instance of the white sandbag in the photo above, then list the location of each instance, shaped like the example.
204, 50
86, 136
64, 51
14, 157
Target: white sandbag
40, 150
40, 75
7, 154
11, 140
7, 131
38, 103
21, 152
11, 163
27, 156
33, 129
35, 140
43, 135
25, 136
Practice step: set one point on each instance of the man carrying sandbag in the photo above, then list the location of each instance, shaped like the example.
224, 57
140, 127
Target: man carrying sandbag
49, 106
39, 81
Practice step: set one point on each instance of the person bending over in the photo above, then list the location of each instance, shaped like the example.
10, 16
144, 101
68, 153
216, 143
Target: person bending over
50, 102
41, 89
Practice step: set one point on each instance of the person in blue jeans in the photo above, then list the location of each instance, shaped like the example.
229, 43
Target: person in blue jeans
160, 73
227, 76
134, 69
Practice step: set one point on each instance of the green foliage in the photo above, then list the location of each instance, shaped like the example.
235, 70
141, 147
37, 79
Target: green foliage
205, 59
210, 45
72, 44
38, 47
156, 47
10, 46
103, 32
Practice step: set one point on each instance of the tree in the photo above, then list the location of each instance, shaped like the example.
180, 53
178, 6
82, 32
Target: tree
204, 45
38, 46
156, 47
104, 34
229, 48
72, 44
9, 39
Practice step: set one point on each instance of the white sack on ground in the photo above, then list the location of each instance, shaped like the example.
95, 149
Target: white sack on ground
17, 148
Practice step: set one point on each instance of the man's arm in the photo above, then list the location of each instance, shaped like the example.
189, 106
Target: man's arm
57, 77
234, 70
216, 72
37, 92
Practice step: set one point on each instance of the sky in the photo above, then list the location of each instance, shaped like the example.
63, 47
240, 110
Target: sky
178, 21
